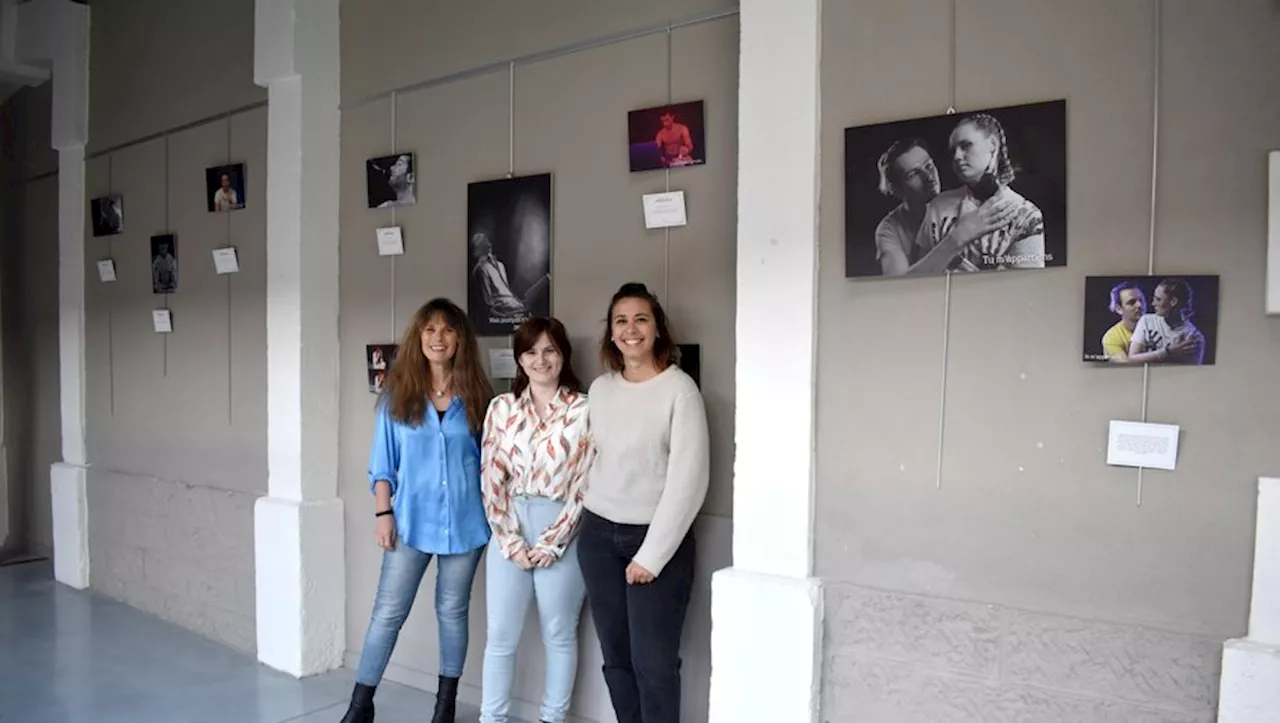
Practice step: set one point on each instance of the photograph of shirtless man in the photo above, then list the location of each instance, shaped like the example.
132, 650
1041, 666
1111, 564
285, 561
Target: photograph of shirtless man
669, 136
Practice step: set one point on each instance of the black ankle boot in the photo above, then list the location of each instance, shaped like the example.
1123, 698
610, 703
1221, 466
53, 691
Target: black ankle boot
361, 708
446, 701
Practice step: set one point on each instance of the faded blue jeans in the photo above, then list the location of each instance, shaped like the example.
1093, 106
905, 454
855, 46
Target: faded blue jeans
559, 593
402, 571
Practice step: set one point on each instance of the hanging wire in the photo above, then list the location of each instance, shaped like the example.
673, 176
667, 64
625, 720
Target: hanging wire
666, 246
946, 294
1155, 176
395, 112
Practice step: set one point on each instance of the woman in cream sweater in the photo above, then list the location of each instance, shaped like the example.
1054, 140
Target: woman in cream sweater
648, 481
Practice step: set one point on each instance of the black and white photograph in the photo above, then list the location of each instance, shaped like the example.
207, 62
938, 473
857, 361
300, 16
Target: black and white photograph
666, 136
390, 181
164, 264
380, 356
1136, 320
224, 187
971, 191
508, 252
107, 215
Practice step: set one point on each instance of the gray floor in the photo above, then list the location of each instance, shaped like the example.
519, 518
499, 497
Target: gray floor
76, 657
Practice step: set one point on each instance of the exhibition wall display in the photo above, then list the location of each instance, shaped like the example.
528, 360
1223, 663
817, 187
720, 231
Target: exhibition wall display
669, 136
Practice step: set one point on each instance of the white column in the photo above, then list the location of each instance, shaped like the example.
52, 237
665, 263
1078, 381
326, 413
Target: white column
298, 527
1250, 691
766, 611
55, 34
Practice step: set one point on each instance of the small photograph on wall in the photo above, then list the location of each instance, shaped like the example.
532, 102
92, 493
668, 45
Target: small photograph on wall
107, 214
668, 136
224, 186
390, 181
508, 252
973, 191
690, 361
1135, 320
377, 380
380, 356
164, 264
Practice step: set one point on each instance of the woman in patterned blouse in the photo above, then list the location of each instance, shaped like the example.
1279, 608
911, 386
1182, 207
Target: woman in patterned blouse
535, 456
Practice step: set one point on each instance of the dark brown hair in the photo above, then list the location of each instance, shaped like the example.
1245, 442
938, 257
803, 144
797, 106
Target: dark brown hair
409, 381
527, 335
665, 351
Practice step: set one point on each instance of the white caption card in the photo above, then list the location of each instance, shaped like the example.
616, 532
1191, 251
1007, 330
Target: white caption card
502, 363
225, 260
107, 270
162, 320
1139, 444
664, 210
390, 241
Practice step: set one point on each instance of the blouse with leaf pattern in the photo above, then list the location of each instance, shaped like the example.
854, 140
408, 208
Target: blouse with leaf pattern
521, 454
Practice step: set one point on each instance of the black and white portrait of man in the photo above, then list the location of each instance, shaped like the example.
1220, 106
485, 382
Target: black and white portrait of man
164, 264
970, 191
508, 252
391, 181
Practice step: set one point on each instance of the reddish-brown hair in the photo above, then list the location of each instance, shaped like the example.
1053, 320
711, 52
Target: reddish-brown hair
527, 335
665, 351
409, 381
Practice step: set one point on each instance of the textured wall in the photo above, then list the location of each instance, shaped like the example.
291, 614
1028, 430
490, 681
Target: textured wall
894, 658
177, 423
570, 120
1097, 607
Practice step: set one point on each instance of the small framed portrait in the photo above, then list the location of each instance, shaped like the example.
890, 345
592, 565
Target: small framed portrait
391, 181
380, 356
377, 381
164, 264
107, 215
1137, 320
225, 187
667, 136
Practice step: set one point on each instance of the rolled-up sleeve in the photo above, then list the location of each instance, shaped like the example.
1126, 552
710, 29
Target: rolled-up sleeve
384, 453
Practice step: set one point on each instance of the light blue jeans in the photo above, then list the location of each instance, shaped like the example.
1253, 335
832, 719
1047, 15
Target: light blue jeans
558, 591
402, 571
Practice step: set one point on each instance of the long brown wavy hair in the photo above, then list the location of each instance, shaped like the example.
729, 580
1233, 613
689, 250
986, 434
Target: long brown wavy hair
408, 388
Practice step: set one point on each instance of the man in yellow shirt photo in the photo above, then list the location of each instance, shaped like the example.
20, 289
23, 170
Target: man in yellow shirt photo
1129, 302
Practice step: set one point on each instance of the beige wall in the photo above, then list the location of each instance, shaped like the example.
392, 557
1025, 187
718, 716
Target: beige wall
176, 424
29, 249
388, 44
1031, 586
159, 64
570, 120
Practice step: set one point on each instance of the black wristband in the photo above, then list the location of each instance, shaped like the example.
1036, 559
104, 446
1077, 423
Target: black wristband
384, 512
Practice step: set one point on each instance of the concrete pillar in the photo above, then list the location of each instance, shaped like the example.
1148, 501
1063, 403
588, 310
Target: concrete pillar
1250, 691
298, 527
54, 34
766, 611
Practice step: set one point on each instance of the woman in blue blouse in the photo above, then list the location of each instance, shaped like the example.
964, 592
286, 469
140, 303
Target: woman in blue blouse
425, 473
